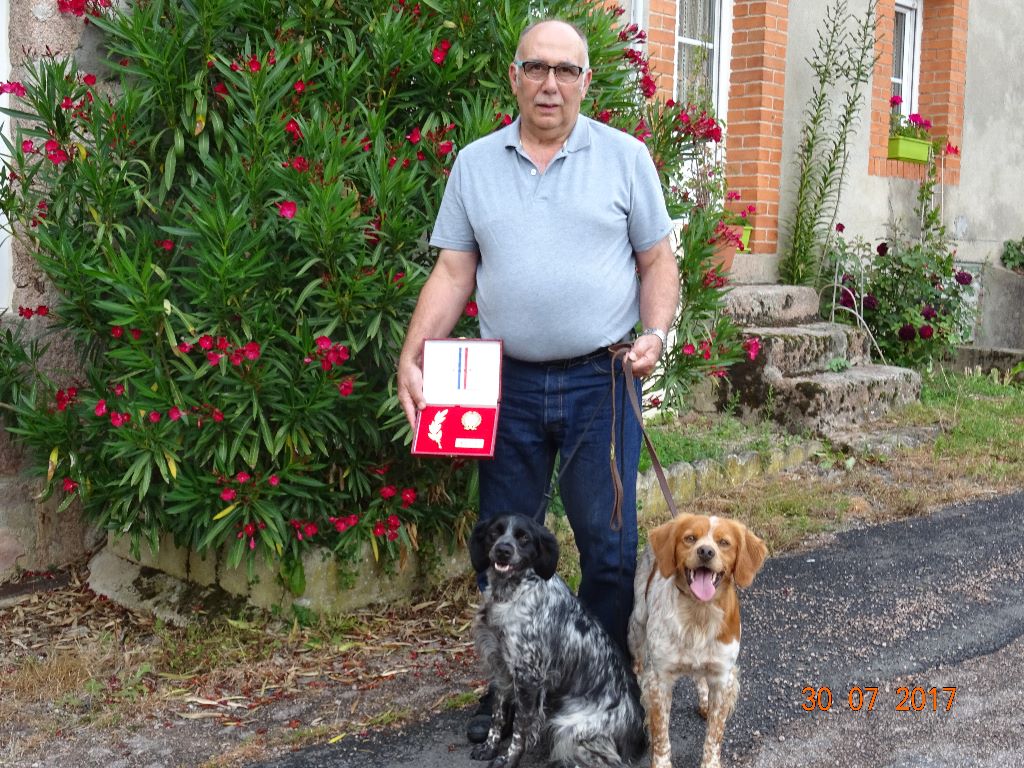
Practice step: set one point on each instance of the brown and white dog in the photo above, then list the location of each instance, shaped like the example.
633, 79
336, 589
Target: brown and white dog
686, 621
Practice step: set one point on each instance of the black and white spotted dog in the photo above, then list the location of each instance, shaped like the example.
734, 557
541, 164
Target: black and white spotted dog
548, 658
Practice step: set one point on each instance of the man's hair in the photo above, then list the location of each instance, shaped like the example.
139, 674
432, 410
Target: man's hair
579, 31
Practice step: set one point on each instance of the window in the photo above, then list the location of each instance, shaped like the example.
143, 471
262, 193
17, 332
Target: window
698, 52
906, 59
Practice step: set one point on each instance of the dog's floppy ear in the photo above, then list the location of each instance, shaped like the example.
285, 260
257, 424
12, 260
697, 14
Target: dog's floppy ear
547, 552
478, 554
750, 558
663, 544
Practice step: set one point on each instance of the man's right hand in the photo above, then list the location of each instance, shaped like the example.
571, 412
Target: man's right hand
410, 389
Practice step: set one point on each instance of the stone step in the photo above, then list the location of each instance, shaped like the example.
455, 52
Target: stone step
772, 305
805, 349
821, 403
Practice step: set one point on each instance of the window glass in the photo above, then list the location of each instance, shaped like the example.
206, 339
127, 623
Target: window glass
905, 37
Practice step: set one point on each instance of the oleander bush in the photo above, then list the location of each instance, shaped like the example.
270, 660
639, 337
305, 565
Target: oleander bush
232, 214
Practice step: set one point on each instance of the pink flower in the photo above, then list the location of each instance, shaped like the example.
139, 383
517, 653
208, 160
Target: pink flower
895, 101
388, 491
345, 388
689, 349
89, 79
228, 494
752, 346
444, 148
323, 343
299, 86
174, 413
438, 56
213, 357
218, 415
154, 416
118, 389
69, 485
274, 481
117, 331
206, 341
251, 350
414, 136
101, 408
242, 477
471, 309
28, 147
310, 529
287, 209
408, 497
951, 149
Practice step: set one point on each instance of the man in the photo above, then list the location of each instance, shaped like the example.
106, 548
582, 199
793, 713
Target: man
550, 220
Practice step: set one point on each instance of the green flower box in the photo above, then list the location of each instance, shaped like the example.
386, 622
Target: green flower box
745, 237
908, 149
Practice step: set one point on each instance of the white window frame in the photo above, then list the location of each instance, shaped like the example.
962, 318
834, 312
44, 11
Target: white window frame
6, 241
721, 54
912, 10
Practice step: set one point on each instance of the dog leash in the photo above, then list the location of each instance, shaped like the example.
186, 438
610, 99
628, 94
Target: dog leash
621, 352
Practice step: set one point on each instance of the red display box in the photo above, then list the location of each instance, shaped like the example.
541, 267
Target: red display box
462, 387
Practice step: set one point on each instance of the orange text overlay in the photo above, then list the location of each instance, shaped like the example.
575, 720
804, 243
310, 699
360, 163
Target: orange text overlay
867, 698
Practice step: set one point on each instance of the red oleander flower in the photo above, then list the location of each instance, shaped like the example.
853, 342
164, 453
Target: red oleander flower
408, 497
414, 136
218, 415
471, 309
299, 86
228, 494
243, 477
154, 417
206, 341
101, 408
251, 350
310, 529
689, 349
254, 64
167, 245
69, 485
379, 529
118, 389
346, 387
67, 103
292, 128
445, 147
213, 357
287, 209
220, 89
174, 413
274, 481
388, 491
28, 147
136, 333
117, 331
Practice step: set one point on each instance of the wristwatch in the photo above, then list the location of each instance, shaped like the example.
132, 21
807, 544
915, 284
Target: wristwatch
656, 332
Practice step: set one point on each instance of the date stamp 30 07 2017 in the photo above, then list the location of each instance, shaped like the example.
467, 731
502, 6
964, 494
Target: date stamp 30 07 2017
905, 698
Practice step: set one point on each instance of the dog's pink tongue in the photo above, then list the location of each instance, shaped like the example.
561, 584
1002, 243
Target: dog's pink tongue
703, 585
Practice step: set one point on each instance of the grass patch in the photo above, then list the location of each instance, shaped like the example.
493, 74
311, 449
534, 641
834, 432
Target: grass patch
697, 436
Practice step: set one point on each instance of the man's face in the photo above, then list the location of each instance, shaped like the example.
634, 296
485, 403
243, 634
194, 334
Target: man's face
549, 106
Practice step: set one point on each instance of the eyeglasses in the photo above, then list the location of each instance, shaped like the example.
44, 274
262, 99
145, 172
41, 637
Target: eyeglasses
538, 71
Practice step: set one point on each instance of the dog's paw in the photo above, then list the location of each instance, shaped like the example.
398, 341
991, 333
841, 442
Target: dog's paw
483, 752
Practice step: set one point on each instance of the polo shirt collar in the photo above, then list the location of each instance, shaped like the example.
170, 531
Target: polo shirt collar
578, 139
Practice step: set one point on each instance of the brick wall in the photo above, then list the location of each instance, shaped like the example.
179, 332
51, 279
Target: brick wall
756, 91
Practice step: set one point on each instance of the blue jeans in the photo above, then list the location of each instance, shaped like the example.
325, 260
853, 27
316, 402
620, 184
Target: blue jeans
565, 409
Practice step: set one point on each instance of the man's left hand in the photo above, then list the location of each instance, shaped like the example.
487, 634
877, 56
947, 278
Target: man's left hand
645, 354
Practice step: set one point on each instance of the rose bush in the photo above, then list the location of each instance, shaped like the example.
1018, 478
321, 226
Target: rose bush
233, 217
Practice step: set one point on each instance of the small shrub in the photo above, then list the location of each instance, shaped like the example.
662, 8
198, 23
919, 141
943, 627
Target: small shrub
1013, 255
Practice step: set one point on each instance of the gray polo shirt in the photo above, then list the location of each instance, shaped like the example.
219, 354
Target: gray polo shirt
556, 277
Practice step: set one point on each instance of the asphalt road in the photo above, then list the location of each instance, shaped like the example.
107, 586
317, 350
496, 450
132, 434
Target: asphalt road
913, 609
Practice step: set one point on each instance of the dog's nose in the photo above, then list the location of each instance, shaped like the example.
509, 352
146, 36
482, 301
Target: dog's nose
502, 552
706, 553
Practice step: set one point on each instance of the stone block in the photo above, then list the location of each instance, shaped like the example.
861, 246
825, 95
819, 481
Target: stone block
772, 305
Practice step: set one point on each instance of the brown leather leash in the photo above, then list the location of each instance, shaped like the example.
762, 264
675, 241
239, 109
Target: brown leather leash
621, 352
